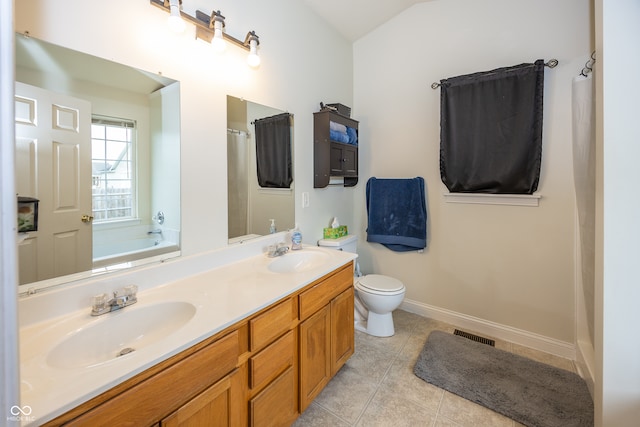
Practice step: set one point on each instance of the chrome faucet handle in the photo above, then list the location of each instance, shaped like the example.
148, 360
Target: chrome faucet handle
119, 298
277, 250
282, 248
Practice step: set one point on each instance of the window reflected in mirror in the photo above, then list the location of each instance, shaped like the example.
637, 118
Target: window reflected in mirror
98, 144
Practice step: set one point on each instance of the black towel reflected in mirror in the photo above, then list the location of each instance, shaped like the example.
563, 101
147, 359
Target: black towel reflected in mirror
273, 151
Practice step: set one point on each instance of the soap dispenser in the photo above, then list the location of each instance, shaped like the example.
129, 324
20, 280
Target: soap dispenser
296, 239
272, 227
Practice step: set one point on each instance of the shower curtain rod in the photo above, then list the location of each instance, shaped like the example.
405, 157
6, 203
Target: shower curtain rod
588, 66
239, 132
552, 63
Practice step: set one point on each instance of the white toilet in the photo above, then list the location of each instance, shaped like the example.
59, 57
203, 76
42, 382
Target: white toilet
376, 295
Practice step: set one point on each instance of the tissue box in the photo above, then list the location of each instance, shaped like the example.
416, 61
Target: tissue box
334, 233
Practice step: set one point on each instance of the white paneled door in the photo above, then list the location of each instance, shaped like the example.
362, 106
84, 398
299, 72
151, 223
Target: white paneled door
53, 164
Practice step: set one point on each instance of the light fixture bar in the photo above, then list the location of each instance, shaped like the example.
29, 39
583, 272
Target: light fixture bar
204, 25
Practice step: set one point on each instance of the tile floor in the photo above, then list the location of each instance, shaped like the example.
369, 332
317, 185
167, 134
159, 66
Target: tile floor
377, 386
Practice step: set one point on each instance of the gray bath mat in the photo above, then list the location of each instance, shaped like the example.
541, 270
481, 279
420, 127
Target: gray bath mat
532, 393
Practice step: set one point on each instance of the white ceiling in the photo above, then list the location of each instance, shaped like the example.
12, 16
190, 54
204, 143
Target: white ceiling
355, 18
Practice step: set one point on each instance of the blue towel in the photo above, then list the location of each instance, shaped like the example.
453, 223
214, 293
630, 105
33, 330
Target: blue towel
353, 135
397, 213
335, 135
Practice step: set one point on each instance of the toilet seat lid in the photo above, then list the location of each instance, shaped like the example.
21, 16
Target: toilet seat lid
380, 283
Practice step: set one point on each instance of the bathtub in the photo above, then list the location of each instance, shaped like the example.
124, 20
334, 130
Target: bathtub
133, 245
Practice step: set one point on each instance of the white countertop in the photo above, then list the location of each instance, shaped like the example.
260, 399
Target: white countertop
222, 295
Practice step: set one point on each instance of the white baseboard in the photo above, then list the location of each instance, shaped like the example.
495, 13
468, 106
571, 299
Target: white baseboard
586, 363
495, 330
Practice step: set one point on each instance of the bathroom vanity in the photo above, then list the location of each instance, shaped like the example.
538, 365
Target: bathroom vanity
262, 367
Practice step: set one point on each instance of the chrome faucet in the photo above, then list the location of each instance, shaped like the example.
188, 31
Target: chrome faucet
121, 298
277, 250
156, 231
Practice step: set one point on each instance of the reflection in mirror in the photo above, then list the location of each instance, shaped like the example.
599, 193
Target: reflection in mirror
98, 144
251, 207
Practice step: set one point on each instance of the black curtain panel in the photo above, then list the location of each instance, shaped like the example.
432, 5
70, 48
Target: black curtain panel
273, 151
491, 130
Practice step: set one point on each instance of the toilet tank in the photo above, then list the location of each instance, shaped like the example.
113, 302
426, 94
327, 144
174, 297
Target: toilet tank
347, 243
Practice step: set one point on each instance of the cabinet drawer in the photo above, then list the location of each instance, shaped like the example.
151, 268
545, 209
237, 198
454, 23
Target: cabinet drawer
321, 294
268, 326
163, 393
271, 361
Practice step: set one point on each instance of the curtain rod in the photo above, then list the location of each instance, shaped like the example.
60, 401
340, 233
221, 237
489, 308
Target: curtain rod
552, 63
271, 118
588, 66
239, 132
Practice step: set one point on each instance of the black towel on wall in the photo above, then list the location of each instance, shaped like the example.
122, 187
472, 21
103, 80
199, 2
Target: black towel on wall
273, 151
491, 130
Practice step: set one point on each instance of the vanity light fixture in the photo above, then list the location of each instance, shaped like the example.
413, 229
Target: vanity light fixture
252, 40
176, 23
217, 22
210, 28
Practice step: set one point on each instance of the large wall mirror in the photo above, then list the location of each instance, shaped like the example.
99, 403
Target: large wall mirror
98, 145
251, 207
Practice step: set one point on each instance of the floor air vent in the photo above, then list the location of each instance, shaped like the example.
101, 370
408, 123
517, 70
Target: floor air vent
473, 337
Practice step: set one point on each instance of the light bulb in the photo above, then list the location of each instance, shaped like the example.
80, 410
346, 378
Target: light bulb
176, 24
218, 43
253, 59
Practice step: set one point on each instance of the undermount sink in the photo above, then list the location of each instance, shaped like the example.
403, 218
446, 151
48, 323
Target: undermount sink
295, 262
119, 333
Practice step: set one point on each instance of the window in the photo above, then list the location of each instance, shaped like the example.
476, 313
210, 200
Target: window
113, 169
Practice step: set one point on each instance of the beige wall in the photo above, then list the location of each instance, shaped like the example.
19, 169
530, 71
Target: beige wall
510, 265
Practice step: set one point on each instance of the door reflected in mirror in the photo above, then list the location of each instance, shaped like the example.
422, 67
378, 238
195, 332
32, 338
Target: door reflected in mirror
98, 144
251, 207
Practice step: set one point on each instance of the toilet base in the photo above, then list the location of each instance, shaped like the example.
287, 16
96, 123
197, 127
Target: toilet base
377, 325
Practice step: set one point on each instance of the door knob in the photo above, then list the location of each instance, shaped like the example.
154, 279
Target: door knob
87, 218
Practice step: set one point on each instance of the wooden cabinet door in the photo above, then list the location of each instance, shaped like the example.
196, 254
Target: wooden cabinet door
276, 405
350, 160
211, 408
336, 162
315, 355
343, 159
342, 334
